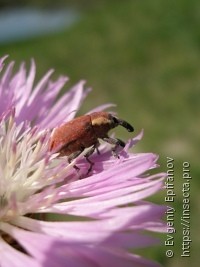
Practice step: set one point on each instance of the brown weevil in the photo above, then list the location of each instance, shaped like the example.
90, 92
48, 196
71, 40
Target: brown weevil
73, 137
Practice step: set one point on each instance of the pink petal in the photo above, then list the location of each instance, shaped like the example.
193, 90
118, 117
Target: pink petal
11, 257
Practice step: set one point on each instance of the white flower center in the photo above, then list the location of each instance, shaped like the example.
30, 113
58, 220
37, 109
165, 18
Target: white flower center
23, 165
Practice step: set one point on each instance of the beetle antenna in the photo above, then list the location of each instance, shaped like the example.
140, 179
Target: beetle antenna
125, 124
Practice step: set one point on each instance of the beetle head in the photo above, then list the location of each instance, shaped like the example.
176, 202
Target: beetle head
123, 123
102, 122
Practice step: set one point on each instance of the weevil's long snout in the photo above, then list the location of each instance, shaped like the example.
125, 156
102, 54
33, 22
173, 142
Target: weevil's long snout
125, 124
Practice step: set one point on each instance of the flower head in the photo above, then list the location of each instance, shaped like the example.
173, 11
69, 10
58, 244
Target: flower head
108, 208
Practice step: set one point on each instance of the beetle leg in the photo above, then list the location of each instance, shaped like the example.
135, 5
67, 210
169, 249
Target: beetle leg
73, 156
88, 154
98, 152
114, 141
96, 146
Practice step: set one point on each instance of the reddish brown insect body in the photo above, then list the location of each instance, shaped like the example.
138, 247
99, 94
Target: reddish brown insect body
71, 138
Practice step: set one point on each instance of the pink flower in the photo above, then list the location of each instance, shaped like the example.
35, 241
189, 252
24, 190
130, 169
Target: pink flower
101, 217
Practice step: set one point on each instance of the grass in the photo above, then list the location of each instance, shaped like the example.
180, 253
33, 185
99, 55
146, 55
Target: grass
143, 56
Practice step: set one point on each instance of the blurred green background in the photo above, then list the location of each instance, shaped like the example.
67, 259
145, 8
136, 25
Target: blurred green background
145, 57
